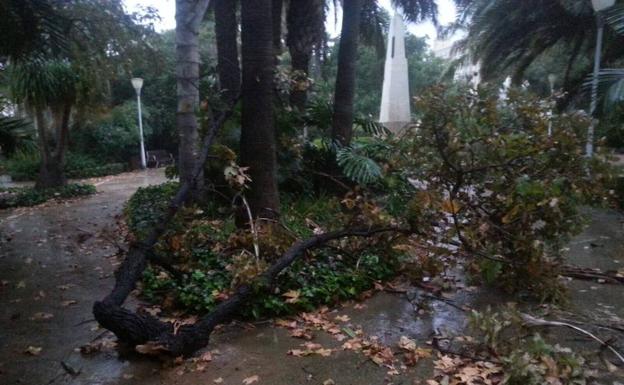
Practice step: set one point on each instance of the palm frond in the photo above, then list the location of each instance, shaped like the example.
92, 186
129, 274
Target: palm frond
373, 26
358, 167
15, 134
370, 126
615, 18
418, 10
610, 86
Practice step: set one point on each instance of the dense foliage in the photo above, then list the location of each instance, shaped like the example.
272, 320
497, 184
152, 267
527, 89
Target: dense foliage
492, 178
23, 166
211, 256
28, 196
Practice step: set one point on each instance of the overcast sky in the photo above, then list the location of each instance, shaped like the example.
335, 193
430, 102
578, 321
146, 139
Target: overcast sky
166, 10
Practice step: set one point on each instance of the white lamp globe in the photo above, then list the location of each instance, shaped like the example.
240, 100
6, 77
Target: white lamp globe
601, 5
137, 83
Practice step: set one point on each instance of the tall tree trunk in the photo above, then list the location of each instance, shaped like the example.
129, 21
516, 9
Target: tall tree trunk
51, 171
306, 26
342, 125
299, 88
226, 31
277, 8
189, 14
257, 144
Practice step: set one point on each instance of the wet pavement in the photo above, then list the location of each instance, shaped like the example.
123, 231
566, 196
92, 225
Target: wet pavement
63, 252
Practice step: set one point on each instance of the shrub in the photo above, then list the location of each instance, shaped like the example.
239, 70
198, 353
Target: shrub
489, 175
28, 196
210, 253
25, 166
114, 136
147, 206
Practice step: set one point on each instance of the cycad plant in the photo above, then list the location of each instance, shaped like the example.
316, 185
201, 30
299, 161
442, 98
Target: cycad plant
48, 90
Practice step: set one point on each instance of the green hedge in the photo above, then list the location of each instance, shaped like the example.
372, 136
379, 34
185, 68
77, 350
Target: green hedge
25, 166
29, 196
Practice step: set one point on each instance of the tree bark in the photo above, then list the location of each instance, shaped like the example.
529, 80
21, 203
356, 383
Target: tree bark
51, 171
299, 89
277, 8
189, 14
141, 329
257, 143
342, 125
305, 19
226, 31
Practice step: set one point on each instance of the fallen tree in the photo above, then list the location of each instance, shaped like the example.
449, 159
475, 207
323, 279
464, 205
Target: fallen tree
157, 336
151, 335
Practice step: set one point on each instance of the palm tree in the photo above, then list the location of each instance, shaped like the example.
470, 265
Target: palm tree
226, 31
48, 89
30, 27
305, 20
507, 36
611, 80
257, 142
189, 14
342, 126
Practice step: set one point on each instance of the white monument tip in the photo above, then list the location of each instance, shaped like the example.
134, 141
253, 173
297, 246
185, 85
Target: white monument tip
395, 101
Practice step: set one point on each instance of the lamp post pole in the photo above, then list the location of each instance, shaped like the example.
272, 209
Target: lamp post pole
551, 81
599, 6
137, 83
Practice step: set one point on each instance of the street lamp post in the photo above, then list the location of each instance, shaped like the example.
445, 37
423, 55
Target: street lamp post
552, 78
137, 83
599, 6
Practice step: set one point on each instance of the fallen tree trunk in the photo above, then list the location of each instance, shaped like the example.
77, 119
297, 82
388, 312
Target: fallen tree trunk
128, 326
158, 336
592, 274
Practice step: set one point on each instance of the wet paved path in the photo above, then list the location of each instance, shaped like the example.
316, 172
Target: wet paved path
56, 259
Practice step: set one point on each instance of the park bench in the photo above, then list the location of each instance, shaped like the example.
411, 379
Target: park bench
159, 158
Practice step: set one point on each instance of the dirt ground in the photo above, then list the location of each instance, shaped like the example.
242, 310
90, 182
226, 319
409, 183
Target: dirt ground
56, 259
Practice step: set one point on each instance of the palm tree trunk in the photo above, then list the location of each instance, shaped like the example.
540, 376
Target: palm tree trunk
226, 31
277, 8
306, 26
342, 125
300, 67
51, 171
257, 144
189, 14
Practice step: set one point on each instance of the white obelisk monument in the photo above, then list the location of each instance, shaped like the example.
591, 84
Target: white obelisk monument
395, 100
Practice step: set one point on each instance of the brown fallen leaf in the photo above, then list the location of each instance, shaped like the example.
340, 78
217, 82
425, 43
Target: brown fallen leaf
298, 353
301, 333
285, 323
251, 380
150, 348
206, 357
41, 316
33, 350
342, 318
68, 302
329, 382
292, 296
323, 352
